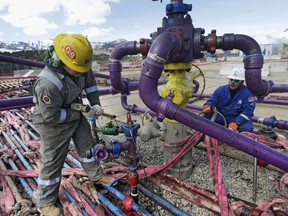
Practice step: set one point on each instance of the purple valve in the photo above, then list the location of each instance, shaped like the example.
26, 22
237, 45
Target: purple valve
100, 153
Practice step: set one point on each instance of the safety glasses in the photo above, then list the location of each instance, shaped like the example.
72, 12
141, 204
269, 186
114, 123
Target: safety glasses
237, 81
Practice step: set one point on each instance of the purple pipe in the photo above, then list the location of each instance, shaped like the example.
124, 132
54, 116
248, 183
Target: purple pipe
279, 88
115, 67
264, 100
16, 60
16, 103
132, 87
164, 107
133, 48
130, 146
281, 124
133, 108
253, 62
101, 75
23, 102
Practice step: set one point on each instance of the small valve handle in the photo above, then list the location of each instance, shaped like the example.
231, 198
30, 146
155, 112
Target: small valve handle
100, 153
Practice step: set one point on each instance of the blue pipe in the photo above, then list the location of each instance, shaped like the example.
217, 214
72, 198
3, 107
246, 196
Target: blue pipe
32, 135
71, 199
27, 122
93, 205
121, 196
110, 205
106, 202
162, 202
19, 140
74, 160
18, 153
23, 181
65, 165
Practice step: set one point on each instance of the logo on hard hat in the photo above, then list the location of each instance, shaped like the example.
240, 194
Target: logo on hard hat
70, 52
236, 73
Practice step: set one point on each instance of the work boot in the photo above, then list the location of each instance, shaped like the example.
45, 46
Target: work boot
50, 210
106, 180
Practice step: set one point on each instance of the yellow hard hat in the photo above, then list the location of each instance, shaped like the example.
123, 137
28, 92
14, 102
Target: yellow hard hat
75, 51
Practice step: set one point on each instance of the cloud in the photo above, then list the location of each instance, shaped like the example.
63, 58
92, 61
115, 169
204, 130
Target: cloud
268, 35
88, 12
35, 18
96, 34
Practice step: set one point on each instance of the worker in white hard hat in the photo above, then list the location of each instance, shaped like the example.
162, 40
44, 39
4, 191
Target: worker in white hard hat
61, 83
234, 101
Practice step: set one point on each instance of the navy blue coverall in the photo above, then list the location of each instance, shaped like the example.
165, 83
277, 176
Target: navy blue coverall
238, 109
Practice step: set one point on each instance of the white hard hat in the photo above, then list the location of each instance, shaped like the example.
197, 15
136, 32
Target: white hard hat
237, 74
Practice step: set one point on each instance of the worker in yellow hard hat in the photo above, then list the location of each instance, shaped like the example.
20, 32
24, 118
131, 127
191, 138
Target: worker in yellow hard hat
60, 84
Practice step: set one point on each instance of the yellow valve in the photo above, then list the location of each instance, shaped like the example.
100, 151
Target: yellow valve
178, 84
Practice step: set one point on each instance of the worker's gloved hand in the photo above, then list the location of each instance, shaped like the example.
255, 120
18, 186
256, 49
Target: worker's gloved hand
98, 110
95, 111
233, 126
207, 109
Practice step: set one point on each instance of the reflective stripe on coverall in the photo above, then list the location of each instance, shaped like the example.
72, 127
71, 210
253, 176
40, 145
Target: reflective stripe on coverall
58, 124
240, 109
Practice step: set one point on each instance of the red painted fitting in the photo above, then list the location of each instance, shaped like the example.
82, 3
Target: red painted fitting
144, 47
262, 163
212, 41
133, 179
128, 203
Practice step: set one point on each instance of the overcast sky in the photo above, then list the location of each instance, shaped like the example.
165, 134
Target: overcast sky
107, 20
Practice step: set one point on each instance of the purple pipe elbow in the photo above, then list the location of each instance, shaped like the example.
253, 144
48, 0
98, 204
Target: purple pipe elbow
253, 61
133, 108
152, 69
115, 67
255, 84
